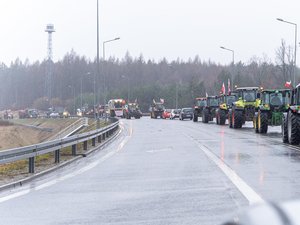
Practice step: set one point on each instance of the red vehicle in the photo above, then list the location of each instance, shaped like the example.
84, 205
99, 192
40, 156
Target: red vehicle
166, 114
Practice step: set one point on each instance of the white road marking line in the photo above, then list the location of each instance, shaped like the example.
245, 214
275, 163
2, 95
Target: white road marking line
80, 171
15, 195
159, 150
241, 185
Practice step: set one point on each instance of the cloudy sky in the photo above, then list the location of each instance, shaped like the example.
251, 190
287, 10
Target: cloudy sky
156, 28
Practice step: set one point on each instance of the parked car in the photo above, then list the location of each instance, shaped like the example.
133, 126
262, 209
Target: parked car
166, 114
175, 113
186, 113
54, 115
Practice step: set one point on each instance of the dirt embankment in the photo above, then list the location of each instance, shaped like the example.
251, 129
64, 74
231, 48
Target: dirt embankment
30, 131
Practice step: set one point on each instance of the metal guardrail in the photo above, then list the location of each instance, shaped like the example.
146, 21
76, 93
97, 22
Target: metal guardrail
30, 152
71, 129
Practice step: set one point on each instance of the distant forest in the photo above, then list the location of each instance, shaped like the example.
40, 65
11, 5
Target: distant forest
22, 84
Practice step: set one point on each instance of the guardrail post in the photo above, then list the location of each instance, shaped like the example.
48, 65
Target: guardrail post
85, 144
93, 142
98, 123
99, 139
57, 156
103, 136
74, 149
31, 165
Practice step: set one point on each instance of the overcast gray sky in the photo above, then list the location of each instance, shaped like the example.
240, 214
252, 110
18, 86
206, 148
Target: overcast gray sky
155, 28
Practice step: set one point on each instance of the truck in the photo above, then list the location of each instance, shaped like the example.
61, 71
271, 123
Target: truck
156, 109
199, 104
28, 113
116, 107
132, 110
244, 108
273, 103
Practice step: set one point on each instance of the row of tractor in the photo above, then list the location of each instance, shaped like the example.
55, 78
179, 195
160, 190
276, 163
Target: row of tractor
276, 107
119, 108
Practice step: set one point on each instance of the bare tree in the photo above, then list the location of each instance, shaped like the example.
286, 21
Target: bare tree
284, 58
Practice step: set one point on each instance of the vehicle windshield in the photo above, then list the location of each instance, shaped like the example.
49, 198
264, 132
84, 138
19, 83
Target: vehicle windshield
132, 106
213, 102
201, 102
176, 111
230, 99
160, 106
118, 104
187, 110
275, 99
249, 96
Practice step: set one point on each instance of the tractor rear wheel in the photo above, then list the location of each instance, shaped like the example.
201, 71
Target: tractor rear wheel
293, 130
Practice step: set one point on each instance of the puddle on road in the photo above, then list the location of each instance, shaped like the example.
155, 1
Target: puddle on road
240, 157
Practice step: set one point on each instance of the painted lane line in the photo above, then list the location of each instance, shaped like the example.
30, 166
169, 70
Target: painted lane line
240, 184
73, 174
15, 195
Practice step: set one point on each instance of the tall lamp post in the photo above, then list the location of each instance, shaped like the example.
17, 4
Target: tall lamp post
81, 89
128, 87
295, 52
74, 99
227, 49
104, 42
98, 63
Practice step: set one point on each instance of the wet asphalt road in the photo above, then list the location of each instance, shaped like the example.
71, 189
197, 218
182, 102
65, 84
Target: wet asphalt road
162, 172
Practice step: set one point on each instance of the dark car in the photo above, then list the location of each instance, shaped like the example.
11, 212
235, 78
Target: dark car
186, 113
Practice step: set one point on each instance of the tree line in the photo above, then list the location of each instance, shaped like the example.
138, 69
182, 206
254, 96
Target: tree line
75, 80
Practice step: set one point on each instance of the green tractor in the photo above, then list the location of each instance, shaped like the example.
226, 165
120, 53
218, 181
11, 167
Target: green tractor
209, 110
225, 103
291, 119
156, 109
244, 108
273, 103
132, 110
200, 103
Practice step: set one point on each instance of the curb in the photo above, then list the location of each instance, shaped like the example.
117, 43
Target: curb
26, 180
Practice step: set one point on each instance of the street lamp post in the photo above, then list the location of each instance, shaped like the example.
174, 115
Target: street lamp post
98, 63
232, 64
104, 42
104, 88
128, 87
295, 52
81, 89
74, 100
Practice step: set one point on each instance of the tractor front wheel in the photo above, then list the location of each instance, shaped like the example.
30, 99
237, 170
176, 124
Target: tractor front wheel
222, 117
195, 117
230, 119
262, 122
284, 130
205, 116
237, 119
